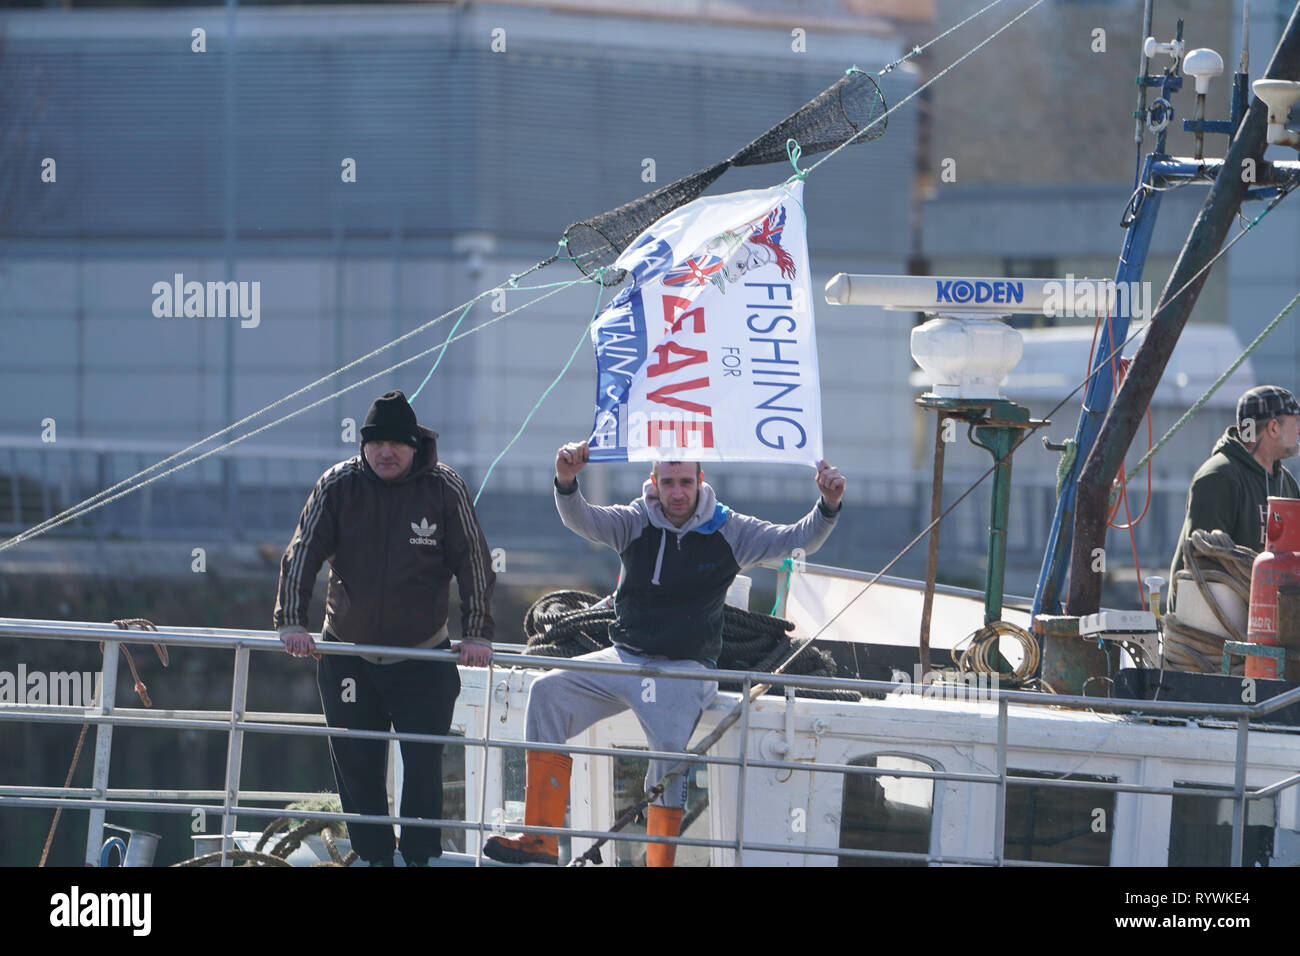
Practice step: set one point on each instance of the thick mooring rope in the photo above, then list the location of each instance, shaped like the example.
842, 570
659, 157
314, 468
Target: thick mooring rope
1212, 558
570, 623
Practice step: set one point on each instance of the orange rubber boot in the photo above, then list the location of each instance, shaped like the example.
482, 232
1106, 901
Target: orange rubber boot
546, 796
662, 821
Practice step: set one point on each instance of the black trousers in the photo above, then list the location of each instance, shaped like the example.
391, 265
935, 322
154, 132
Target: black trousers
415, 697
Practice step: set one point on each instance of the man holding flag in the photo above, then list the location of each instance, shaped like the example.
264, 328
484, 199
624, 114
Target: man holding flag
680, 549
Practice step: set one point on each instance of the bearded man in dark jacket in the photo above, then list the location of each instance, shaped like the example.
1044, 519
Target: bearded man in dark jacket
1230, 491
395, 525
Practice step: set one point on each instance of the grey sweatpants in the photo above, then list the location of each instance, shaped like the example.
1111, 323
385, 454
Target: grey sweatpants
563, 704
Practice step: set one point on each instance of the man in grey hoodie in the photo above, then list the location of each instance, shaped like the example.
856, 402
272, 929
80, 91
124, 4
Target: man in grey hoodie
680, 551
1230, 491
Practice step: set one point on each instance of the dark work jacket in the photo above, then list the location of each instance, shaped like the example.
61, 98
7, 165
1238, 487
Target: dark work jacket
393, 548
1230, 493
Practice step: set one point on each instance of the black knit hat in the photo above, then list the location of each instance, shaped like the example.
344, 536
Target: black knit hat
391, 418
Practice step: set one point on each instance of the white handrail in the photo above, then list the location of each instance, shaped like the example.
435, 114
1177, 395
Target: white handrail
236, 723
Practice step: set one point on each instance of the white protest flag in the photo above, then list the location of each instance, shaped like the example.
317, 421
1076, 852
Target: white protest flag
709, 352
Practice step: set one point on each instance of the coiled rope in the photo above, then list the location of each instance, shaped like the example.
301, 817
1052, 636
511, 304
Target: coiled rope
972, 654
279, 854
1212, 558
569, 623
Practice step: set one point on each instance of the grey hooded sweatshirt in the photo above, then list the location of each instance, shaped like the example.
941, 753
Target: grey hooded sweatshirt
674, 581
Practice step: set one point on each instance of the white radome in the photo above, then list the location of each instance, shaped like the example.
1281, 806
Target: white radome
966, 356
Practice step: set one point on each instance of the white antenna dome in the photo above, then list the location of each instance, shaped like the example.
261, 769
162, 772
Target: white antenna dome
1203, 64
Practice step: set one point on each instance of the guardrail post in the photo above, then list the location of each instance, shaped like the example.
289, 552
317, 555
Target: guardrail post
234, 748
103, 752
1000, 813
480, 834
1239, 792
744, 766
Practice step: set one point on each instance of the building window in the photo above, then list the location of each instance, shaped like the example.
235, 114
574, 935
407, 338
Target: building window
1200, 829
1058, 824
894, 814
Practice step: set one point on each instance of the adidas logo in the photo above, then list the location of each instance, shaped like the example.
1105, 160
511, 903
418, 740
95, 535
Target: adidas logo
424, 532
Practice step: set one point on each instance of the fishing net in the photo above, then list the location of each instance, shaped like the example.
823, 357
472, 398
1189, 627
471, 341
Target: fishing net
851, 105
598, 241
854, 103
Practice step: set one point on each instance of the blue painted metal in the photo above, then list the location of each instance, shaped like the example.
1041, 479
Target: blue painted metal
1159, 169
106, 851
1209, 126
1140, 226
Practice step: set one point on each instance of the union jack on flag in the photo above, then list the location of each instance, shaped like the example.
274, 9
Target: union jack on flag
695, 271
768, 233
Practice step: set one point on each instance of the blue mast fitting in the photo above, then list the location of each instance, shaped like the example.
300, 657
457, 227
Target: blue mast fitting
1140, 220
1132, 261
1158, 170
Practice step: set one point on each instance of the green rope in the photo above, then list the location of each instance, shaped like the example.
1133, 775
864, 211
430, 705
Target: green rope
1066, 464
1200, 402
600, 289
513, 282
445, 342
794, 151
788, 567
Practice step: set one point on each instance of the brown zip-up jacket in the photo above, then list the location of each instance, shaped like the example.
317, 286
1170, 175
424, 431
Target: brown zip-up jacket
393, 549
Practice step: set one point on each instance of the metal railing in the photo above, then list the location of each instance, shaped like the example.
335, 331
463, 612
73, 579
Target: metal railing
106, 715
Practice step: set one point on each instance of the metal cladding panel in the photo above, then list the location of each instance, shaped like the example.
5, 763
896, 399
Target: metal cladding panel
134, 131
303, 111
581, 149
445, 140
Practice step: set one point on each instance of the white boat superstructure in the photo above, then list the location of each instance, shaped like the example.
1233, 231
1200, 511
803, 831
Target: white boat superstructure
964, 774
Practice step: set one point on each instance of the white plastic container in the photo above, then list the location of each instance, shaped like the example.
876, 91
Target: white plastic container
738, 593
1192, 608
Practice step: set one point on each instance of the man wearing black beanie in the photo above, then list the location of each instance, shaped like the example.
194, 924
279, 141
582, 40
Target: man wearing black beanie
396, 525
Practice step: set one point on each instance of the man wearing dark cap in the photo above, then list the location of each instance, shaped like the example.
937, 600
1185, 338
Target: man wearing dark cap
1230, 491
395, 525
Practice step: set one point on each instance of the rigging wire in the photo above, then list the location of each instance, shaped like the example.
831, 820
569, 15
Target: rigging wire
131, 483
918, 50
77, 511
934, 79
1119, 367
84, 506
1061, 404
600, 291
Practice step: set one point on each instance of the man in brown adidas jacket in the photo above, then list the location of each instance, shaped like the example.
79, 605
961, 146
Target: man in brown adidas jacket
395, 525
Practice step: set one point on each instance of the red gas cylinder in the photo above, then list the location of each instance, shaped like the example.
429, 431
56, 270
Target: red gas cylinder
1274, 568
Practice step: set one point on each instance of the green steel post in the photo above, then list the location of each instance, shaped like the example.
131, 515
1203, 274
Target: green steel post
998, 441
996, 426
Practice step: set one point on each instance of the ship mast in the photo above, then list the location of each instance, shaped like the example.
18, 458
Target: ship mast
1176, 303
